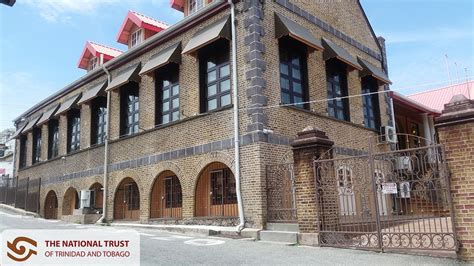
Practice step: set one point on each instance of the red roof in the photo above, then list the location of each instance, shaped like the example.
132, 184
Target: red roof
141, 21
437, 98
177, 4
95, 49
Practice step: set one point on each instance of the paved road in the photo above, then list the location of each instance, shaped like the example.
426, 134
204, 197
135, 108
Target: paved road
163, 248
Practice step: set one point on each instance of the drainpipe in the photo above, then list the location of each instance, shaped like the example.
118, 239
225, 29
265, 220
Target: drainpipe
106, 151
236, 119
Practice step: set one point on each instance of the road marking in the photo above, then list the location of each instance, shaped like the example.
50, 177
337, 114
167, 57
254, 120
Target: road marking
145, 234
162, 238
204, 242
182, 237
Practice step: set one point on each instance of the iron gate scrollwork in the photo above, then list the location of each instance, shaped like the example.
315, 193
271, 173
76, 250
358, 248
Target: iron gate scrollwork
386, 200
281, 205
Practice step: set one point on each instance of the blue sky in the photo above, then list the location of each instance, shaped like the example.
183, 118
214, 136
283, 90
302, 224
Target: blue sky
41, 41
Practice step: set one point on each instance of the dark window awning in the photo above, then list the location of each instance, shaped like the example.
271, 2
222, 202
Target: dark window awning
68, 104
31, 123
125, 76
332, 50
47, 115
95, 91
171, 54
287, 27
211, 33
18, 131
371, 70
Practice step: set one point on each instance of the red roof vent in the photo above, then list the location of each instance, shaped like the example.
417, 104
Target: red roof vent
140, 21
93, 49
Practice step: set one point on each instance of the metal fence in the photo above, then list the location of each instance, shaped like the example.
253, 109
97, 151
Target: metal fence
23, 193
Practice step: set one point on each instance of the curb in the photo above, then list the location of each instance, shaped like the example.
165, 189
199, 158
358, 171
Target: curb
19, 211
179, 229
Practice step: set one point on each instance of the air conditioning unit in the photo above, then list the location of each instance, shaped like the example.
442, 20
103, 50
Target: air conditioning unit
85, 199
388, 135
403, 163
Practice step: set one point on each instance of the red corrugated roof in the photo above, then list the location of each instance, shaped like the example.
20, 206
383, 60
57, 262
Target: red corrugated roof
141, 21
96, 49
437, 98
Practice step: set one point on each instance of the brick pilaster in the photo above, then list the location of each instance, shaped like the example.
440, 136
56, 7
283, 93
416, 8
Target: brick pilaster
309, 144
456, 132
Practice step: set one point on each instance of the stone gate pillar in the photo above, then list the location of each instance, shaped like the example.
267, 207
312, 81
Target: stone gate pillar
309, 144
456, 132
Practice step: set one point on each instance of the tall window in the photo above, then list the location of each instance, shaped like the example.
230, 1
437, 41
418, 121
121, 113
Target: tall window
167, 93
53, 138
74, 130
215, 76
293, 73
132, 196
195, 5
136, 38
336, 75
130, 107
93, 63
173, 196
99, 120
23, 144
36, 145
223, 187
371, 103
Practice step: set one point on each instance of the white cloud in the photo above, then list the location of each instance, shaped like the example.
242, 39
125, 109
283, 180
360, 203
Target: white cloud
60, 10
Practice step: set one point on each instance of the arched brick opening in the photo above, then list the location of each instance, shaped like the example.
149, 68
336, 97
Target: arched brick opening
70, 201
166, 198
51, 205
97, 196
127, 200
215, 192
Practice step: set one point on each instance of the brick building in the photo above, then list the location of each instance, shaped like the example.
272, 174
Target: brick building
169, 101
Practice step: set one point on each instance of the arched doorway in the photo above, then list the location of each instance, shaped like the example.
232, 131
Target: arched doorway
51, 206
127, 200
166, 197
70, 201
215, 192
97, 197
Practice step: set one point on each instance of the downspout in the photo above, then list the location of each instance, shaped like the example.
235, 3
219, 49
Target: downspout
106, 151
236, 119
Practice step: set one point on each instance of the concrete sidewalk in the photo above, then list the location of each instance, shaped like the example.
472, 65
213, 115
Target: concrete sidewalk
18, 211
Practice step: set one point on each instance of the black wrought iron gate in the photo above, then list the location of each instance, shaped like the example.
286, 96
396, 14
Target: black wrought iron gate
386, 200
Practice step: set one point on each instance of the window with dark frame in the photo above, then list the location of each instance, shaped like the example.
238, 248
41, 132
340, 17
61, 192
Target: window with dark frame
215, 76
167, 95
130, 107
53, 138
99, 120
223, 187
74, 130
173, 196
23, 144
371, 102
36, 145
336, 75
293, 72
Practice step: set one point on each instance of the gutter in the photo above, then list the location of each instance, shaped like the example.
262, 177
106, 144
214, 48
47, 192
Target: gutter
106, 152
236, 119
